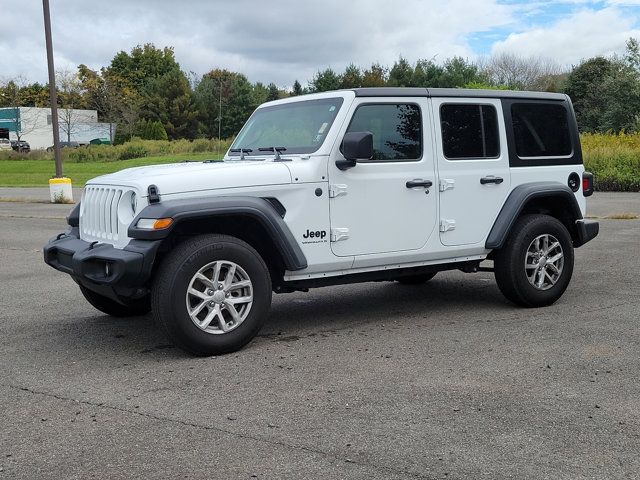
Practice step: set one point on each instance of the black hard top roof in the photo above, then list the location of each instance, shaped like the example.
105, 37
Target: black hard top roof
454, 92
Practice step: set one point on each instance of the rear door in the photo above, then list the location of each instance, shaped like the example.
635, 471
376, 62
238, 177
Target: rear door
473, 165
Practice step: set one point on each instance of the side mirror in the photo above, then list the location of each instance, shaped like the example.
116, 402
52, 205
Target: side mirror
355, 146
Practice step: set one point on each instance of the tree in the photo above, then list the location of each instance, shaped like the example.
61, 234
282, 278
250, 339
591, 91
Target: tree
427, 74
150, 130
225, 101
145, 62
352, 77
22, 117
457, 72
70, 100
522, 73
401, 74
324, 81
622, 92
374, 76
584, 86
632, 55
606, 91
297, 89
109, 96
169, 99
272, 92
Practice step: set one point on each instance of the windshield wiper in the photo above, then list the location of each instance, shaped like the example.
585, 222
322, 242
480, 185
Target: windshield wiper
241, 151
275, 150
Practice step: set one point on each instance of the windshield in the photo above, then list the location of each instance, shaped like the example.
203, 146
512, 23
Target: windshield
299, 127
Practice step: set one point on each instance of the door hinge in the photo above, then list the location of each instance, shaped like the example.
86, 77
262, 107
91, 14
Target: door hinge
447, 184
337, 190
338, 234
447, 225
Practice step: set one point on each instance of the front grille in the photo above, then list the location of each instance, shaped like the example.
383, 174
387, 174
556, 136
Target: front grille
99, 213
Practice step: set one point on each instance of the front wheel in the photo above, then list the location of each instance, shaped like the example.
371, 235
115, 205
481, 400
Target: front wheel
212, 294
534, 267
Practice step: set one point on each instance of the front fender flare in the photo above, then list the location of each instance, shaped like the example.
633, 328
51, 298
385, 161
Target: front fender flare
259, 209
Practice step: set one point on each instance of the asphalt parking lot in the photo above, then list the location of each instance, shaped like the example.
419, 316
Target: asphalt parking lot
375, 381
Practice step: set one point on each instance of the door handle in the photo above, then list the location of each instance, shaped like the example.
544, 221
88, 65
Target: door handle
418, 182
491, 179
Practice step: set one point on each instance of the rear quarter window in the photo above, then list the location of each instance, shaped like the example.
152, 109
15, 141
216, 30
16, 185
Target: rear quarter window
541, 130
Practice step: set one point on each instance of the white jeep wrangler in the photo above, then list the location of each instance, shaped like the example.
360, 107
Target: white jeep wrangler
348, 186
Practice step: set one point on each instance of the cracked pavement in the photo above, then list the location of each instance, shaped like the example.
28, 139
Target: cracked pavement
377, 381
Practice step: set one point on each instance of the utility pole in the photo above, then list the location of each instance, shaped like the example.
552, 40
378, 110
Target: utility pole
52, 88
220, 113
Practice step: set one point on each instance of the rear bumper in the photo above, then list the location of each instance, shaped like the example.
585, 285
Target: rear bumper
115, 273
587, 231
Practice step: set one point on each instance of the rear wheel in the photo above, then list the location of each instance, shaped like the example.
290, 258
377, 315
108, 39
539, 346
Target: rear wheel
534, 267
212, 294
115, 309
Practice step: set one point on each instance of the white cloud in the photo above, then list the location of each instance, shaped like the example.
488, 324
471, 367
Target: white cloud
283, 40
280, 40
583, 34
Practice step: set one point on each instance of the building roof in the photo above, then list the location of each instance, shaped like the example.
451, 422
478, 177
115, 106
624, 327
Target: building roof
454, 92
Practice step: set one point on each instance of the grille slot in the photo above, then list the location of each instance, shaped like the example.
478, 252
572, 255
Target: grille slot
99, 213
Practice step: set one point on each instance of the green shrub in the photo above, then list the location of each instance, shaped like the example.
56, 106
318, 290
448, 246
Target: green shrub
201, 145
132, 151
614, 161
79, 155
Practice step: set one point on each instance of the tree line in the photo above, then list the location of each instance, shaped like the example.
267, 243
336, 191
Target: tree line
146, 93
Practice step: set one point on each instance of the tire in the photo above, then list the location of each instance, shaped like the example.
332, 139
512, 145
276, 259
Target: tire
551, 278
186, 286
416, 279
115, 309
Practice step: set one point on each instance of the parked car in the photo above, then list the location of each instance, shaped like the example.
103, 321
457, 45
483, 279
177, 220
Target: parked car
21, 146
100, 141
65, 145
358, 185
5, 144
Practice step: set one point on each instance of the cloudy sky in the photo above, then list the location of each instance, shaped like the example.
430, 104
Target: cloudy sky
283, 40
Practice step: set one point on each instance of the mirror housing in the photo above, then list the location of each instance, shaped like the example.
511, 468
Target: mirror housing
355, 146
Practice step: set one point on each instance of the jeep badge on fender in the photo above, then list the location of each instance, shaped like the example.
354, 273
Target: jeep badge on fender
204, 244
316, 234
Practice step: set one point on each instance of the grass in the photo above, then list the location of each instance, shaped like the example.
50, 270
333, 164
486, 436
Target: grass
613, 159
622, 216
36, 173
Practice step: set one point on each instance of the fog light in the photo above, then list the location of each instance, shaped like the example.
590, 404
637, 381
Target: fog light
107, 269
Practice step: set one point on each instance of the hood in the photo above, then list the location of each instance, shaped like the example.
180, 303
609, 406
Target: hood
195, 176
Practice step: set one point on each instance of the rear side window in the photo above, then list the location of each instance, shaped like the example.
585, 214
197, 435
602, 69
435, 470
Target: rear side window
541, 130
469, 131
396, 128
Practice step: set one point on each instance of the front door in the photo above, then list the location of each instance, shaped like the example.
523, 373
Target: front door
473, 165
385, 204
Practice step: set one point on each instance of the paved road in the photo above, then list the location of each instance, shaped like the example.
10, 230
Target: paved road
375, 381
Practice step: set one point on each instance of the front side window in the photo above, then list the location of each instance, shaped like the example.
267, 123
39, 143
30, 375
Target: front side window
469, 131
300, 127
541, 130
396, 128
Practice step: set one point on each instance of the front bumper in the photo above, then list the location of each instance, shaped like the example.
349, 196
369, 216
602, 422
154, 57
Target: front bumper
120, 274
587, 231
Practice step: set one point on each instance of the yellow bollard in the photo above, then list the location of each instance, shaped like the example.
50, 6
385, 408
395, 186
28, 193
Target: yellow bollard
60, 190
